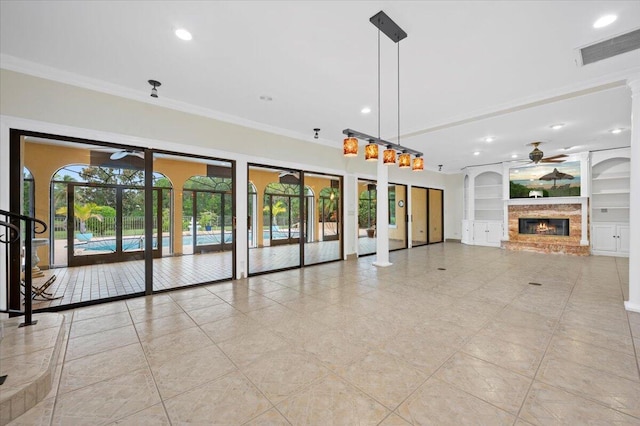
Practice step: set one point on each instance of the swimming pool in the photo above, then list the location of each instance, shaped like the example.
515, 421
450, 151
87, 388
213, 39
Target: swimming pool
137, 243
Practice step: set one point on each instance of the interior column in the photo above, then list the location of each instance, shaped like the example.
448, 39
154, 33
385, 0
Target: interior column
633, 304
382, 215
240, 219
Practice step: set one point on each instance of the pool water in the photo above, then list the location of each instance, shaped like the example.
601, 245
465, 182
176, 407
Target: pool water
137, 243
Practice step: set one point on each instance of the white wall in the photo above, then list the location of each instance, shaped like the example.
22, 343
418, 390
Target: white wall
453, 205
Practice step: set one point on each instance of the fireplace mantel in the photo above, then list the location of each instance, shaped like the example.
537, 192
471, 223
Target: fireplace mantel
547, 200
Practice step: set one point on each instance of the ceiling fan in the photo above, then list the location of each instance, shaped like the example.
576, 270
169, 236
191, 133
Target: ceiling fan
537, 156
125, 152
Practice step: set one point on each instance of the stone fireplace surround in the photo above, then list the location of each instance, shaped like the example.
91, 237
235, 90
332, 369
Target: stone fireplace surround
573, 208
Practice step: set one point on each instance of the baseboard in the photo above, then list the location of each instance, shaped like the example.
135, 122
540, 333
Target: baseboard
633, 307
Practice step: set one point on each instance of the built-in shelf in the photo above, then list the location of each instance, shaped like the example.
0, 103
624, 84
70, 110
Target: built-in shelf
613, 191
610, 196
610, 207
607, 176
487, 196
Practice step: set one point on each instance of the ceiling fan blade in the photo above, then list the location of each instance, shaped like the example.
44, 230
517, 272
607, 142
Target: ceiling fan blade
121, 154
553, 157
118, 155
550, 160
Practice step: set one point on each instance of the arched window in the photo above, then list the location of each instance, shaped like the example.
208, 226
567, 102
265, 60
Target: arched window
209, 183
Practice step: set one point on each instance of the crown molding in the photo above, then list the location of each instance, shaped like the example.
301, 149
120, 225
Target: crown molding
34, 69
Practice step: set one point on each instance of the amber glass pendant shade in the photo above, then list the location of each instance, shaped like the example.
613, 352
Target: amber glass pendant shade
371, 152
404, 161
350, 147
418, 164
389, 156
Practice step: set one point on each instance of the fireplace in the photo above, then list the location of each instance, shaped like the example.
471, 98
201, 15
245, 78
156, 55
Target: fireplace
537, 217
543, 226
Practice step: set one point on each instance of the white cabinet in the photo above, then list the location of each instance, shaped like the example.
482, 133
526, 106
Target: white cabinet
610, 239
487, 233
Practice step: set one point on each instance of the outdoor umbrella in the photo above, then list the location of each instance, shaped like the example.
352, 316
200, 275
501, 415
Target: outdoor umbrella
555, 175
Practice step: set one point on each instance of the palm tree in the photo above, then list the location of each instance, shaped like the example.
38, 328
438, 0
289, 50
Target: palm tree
276, 209
82, 212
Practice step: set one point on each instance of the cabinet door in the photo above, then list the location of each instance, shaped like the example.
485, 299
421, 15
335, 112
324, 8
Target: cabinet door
480, 232
495, 233
604, 237
623, 238
466, 232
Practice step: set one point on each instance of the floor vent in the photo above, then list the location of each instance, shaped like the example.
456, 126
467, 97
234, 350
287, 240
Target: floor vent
442, 269
535, 284
612, 47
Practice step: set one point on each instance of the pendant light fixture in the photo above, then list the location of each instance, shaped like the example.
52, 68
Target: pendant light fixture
404, 161
389, 156
371, 152
350, 146
418, 164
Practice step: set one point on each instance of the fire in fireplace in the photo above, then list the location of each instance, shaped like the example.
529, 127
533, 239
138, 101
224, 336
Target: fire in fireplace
543, 226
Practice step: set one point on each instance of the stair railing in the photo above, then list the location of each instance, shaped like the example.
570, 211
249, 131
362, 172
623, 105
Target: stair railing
12, 225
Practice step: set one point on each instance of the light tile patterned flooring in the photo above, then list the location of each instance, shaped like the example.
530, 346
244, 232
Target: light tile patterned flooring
346, 343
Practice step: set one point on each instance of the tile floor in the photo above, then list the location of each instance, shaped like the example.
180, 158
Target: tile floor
347, 343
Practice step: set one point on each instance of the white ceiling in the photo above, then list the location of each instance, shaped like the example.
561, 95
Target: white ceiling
467, 69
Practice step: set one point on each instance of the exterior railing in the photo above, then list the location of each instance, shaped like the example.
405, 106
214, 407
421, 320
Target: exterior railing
12, 223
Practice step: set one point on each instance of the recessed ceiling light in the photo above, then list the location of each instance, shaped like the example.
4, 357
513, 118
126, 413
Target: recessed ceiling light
183, 34
476, 153
514, 156
557, 126
616, 131
489, 139
365, 110
266, 98
603, 21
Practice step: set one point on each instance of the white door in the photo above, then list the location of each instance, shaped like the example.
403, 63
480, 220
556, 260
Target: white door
623, 238
604, 237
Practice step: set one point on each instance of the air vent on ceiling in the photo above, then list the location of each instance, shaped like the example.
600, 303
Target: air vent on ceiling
608, 48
